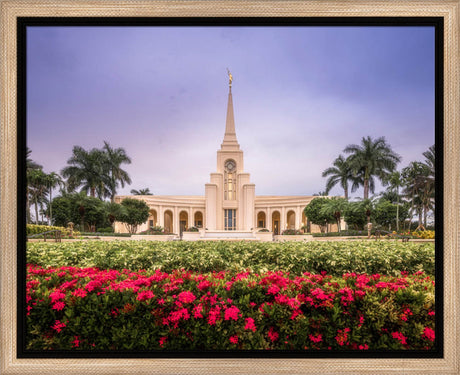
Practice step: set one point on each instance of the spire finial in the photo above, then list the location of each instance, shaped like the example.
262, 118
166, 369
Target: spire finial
230, 78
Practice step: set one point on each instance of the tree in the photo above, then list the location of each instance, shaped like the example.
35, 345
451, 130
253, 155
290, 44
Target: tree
336, 207
114, 159
113, 211
415, 188
86, 169
373, 158
313, 212
395, 182
30, 167
364, 207
134, 214
341, 173
36, 182
51, 181
428, 199
354, 216
145, 191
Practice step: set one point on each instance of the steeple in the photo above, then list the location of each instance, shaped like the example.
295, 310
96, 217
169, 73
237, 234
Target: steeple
230, 143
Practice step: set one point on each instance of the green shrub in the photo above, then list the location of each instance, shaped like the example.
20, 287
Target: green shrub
90, 309
192, 229
290, 232
32, 229
336, 258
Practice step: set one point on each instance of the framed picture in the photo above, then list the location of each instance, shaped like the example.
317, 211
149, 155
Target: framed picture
302, 91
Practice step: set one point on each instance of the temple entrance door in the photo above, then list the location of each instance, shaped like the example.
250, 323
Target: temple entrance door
276, 219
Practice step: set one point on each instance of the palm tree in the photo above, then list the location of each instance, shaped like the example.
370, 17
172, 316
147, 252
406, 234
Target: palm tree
36, 180
341, 173
145, 191
86, 169
52, 180
414, 176
395, 181
429, 193
30, 166
114, 211
114, 159
335, 207
373, 158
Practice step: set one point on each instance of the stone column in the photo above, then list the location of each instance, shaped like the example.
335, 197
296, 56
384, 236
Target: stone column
298, 218
282, 219
161, 218
176, 225
269, 219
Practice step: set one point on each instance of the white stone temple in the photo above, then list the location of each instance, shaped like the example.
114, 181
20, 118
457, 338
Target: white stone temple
230, 207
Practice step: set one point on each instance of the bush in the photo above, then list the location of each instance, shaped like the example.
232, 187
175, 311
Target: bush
192, 229
290, 232
336, 258
90, 309
32, 229
105, 230
264, 230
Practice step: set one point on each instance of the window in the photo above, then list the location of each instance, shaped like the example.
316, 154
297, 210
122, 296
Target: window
230, 180
230, 220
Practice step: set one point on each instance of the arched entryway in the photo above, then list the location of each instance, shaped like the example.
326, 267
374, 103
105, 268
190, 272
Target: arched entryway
290, 220
153, 219
168, 222
183, 221
276, 222
261, 220
198, 219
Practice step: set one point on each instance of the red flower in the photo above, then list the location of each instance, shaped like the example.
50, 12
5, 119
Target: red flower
79, 293
162, 340
316, 338
234, 339
145, 295
399, 336
58, 325
250, 324
273, 335
57, 295
186, 297
428, 334
76, 342
232, 313
58, 306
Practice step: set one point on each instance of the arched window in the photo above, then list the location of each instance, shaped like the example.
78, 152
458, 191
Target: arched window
230, 180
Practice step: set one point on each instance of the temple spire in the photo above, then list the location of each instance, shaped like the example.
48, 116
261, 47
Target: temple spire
230, 142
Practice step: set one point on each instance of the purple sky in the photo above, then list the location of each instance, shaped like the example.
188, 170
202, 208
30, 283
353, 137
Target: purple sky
300, 94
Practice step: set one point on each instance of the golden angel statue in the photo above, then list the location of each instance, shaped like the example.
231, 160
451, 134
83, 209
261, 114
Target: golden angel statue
230, 77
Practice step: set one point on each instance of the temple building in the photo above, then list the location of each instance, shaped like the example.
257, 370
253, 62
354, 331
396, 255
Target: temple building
230, 207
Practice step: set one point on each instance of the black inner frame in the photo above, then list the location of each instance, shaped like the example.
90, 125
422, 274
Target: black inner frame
24, 22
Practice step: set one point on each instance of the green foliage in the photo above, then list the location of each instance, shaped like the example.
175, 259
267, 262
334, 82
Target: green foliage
135, 212
80, 210
315, 215
290, 232
354, 216
36, 229
336, 258
192, 229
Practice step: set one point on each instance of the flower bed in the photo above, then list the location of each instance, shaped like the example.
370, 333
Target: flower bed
336, 258
87, 308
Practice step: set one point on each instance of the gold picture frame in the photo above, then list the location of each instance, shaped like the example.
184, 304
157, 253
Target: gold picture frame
12, 9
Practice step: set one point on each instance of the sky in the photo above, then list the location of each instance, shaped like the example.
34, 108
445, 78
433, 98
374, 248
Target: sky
300, 96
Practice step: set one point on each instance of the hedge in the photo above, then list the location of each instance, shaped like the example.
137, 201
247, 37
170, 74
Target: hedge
71, 308
336, 258
37, 229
